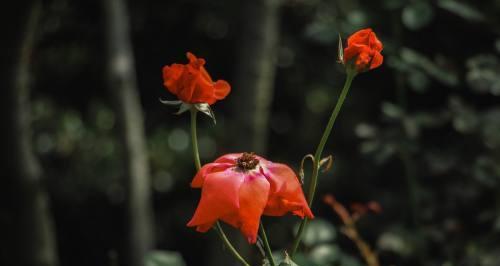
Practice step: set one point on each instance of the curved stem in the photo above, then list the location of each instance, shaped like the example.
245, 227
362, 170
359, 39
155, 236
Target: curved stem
267, 247
196, 155
317, 157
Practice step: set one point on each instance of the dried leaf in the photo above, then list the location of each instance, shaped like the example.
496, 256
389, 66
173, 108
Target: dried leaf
171, 103
183, 108
205, 108
340, 51
327, 162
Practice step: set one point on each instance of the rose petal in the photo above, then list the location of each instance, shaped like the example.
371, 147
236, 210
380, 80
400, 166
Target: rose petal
254, 194
286, 192
221, 89
209, 168
219, 197
376, 60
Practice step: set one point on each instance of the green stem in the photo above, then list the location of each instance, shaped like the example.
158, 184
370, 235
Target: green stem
228, 244
317, 157
194, 139
196, 155
267, 247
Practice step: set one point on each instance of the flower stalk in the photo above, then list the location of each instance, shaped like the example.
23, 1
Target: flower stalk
196, 156
351, 73
267, 247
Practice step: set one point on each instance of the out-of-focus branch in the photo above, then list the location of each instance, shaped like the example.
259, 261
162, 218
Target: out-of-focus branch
349, 229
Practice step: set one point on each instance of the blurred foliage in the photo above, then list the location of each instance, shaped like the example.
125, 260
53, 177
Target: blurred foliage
421, 135
163, 258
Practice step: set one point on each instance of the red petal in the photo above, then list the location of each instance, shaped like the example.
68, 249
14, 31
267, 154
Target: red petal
222, 89
360, 37
375, 43
219, 197
228, 158
286, 192
352, 51
205, 170
203, 92
254, 194
376, 60
205, 227
194, 61
171, 76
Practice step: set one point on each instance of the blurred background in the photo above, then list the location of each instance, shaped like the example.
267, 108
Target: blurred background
96, 171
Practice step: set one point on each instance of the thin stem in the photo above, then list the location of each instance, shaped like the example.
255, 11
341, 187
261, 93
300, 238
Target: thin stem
317, 157
196, 155
267, 247
194, 139
228, 244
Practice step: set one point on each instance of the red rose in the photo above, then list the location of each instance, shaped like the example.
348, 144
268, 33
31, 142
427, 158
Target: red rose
192, 83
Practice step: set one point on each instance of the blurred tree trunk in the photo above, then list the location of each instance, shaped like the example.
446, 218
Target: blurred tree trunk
27, 222
253, 90
123, 88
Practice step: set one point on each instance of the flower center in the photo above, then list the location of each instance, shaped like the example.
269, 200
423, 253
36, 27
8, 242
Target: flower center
247, 161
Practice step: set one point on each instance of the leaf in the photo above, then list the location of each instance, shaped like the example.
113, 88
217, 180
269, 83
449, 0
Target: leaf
340, 51
418, 81
325, 254
183, 108
461, 9
205, 108
392, 111
163, 258
417, 15
440, 72
319, 231
327, 162
171, 103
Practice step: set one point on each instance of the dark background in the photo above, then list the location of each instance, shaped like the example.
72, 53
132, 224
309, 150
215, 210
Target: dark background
420, 135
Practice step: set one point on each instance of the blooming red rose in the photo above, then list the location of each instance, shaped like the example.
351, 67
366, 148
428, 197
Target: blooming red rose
363, 50
239, 188
192, 83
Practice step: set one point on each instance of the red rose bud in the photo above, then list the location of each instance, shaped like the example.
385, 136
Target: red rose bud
363, 51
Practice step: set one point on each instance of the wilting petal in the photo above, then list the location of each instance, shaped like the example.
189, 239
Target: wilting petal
254, 193
205, 170
205, 227
286, 192
219, 197
228, 158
